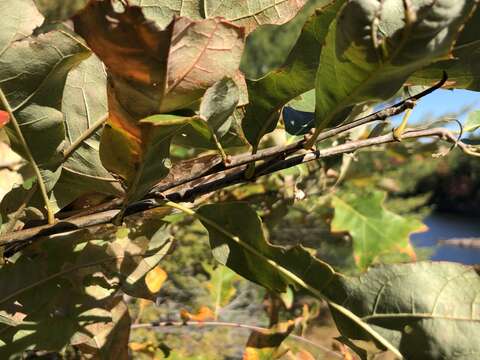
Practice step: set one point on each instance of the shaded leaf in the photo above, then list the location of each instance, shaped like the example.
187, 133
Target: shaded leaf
269, 94
297, 122
374, 229
373, 47
473, 121
110, 340
59, 10
246, 13
239, 243
265, 345
239, 220
43, 129
218, 104
83, 170
68, 286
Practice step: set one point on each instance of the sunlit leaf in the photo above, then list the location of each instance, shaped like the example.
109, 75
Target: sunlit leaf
155, 279
463, 67
221, 286
374, 229
373, 47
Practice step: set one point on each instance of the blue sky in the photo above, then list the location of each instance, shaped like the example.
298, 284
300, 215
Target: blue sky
443, 102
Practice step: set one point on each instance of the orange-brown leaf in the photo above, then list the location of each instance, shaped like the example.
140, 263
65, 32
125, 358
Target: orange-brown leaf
155, 279
203, 314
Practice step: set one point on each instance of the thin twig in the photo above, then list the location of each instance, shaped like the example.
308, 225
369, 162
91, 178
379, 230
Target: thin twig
165, 324
89, 132
224, 179
41, 184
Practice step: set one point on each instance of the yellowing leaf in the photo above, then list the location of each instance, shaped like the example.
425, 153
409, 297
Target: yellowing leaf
155, 279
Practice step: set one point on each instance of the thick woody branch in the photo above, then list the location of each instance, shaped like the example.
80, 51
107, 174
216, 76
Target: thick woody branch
208, 184
217, 165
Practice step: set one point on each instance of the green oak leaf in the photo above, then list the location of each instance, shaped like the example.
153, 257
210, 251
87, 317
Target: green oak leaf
421, 309
427, 310
463, 68
32, 76
218, 104
269, 94
373, 47
221, 286
82, 170
374, 229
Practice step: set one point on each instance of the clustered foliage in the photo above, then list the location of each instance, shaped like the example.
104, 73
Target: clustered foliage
124, 110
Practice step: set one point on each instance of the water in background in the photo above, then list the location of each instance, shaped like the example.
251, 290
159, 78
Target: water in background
444, 227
